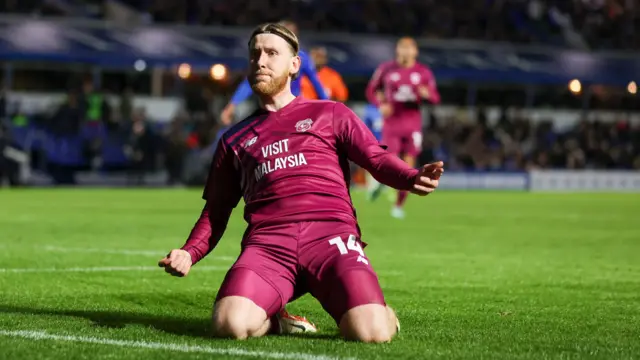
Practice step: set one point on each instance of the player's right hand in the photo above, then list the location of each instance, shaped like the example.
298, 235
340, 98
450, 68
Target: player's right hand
177, 263
227, 114
385, 110
424, 92
428, 178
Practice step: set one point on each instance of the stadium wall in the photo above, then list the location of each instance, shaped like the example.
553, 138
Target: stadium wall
545, 181
584, 180
532, 181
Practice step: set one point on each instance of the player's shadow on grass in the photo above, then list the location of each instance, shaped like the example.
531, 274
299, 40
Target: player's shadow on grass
111, 319
117, 320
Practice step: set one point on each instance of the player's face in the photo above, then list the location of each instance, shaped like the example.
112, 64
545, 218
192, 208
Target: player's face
406, 49
319, 57
271, 64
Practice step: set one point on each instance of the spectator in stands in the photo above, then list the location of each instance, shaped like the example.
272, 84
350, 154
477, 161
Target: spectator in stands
176, 149
9, 169
96, 116
67, 120
3, 105
140, 148
96, 108
126, 107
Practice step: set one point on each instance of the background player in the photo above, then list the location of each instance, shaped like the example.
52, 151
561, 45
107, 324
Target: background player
307, 70
289, 161
330, 79
398, 88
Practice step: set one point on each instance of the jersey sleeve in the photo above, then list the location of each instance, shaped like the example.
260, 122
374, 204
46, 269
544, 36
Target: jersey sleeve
429, 80
375, 84
242, 92
222, 194
356, 140
308, 69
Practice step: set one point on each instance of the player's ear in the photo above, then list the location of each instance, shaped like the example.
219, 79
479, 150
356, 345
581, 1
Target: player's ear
296, 63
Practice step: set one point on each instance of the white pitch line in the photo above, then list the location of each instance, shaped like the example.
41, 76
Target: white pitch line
233, 351
105, 251
122, 252
390, 273
103, 269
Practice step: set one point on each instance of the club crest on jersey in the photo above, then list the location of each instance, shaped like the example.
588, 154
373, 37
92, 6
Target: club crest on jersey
415, 78
303, 125
250, 142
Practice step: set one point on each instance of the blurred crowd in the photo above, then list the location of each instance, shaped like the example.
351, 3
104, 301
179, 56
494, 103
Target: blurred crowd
86, 133
90, 130
595, 24
515, 143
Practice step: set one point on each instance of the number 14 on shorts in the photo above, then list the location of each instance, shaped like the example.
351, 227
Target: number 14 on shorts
351, 245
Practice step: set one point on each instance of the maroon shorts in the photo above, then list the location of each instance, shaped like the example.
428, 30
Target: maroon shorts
409, 143
283, 262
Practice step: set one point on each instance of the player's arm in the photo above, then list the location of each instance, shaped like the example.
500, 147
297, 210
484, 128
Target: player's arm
309, 71
241, 94
362, 148
375, 86
222, 194
429, 89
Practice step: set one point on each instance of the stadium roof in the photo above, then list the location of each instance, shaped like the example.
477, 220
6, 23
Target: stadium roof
108, 45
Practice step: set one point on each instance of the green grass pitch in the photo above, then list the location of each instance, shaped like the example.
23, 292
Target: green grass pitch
472, 275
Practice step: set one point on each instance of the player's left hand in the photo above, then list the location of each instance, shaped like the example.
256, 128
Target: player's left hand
424, 92
428, 178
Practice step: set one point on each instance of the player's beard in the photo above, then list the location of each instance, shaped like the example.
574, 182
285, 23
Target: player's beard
271, 87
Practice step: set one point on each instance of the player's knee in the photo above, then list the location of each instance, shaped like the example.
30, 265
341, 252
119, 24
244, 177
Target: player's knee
237, 317
371, 323
230, 326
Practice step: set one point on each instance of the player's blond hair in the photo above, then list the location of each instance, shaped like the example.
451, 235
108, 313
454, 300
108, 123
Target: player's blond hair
282, 31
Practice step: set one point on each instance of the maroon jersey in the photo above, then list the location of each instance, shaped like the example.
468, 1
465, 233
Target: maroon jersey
291, 166
400, 87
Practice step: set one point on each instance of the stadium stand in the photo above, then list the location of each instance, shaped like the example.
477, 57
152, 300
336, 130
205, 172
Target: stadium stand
577, 23
524, 84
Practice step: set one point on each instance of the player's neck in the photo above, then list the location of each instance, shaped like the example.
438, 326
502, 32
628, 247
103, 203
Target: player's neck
277, 102
406, 63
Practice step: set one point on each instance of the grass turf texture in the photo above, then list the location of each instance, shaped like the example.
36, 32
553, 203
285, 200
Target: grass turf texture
471, 275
